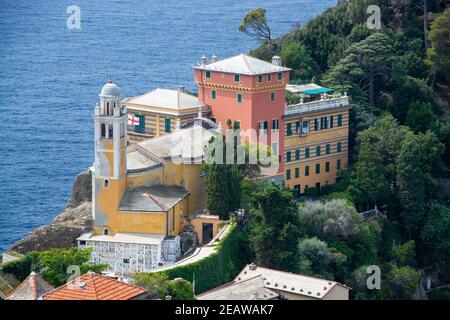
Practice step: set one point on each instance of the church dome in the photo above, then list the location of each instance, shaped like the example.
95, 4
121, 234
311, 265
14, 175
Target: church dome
110, 89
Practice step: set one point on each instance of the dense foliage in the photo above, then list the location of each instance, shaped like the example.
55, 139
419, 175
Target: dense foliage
53, 265
399, 149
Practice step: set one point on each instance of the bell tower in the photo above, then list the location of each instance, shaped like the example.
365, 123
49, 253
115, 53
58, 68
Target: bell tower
109, 172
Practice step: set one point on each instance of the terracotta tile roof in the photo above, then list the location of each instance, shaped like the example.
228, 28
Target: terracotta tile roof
92, 286
31, 288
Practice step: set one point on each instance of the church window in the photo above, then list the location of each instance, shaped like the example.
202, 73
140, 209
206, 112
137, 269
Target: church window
110, 131
103, 130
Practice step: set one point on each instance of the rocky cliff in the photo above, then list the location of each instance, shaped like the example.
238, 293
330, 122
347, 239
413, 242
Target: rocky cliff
67, 226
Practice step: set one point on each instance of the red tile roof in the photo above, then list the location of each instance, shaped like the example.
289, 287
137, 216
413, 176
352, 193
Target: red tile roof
92, 286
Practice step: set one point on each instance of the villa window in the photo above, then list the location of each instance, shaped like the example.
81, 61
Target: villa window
318, 151
297, 154
288, 156
327, 166
306, 152
272, 96
275, 125
289, 129
339, 147
327, 148
305, 127
140, 128
263, 127
306, 171
269, 77
298, 127
167, 125
239, 97
213, 94
339, 120
280, 75
237, 77
208, 74
297, 172
316, 125
105, 231
288, 174
318, 168
331, 121
260, 78
338, 164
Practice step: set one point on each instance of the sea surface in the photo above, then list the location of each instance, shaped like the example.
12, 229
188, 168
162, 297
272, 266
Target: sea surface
50, 77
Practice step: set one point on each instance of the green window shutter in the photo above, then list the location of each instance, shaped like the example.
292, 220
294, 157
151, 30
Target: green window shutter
328, 148
297, 154
289, 129
213, 94
239, 97
288, 174
272, 96
307, 153
339, 120
280, 76
306, 171
208, 74
237, 78
260, 78
317, 151
288, 156
269, 77
167, 125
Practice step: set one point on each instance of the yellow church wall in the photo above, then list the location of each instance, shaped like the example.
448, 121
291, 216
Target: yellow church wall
150, 178
107, 201
141, 222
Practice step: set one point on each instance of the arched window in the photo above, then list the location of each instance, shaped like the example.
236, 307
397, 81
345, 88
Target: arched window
107, 108
105, 231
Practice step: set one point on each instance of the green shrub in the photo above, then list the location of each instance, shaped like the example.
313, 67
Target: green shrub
216, 269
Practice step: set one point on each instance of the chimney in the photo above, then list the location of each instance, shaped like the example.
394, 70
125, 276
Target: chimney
203, 61
276, 60
181, 89
213, 58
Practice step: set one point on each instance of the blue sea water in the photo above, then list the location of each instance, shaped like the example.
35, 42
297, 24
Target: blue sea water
50, 77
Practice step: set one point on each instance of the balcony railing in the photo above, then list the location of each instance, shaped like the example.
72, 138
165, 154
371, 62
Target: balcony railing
329, 102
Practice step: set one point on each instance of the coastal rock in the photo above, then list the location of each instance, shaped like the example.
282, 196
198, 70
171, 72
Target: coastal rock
62, 233
67, 226
81, 190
